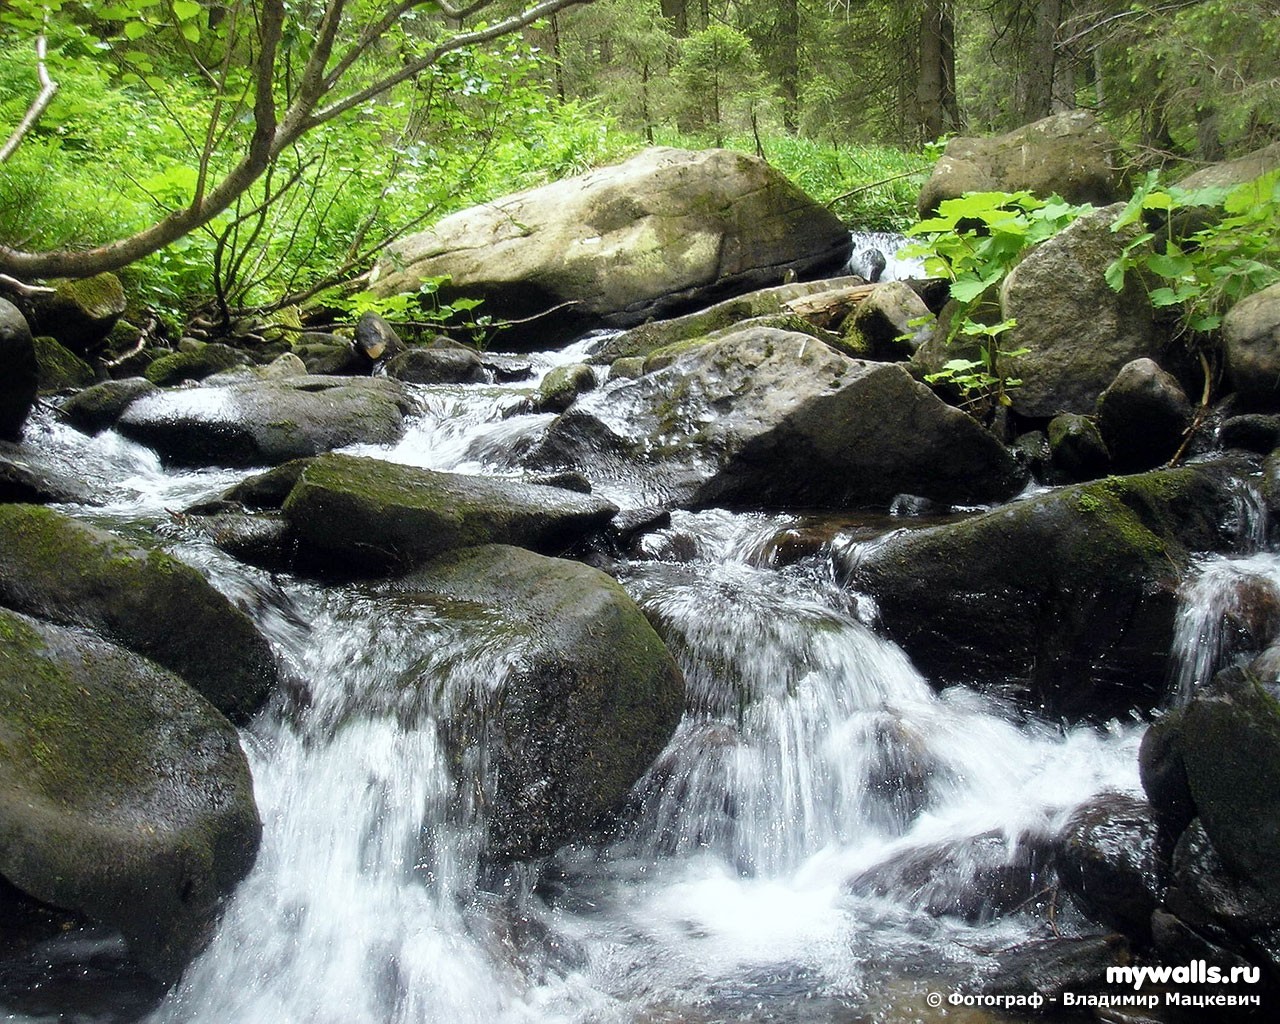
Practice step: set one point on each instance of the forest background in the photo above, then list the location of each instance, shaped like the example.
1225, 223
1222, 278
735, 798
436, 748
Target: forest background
129, 114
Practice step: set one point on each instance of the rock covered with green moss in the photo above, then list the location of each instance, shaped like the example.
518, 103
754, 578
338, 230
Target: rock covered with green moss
194, 363
369, 516
581, 697
97, 408
82, 311
759, 416
74, 574
667, 231
60, 368
20, 380
124, 795
264, 423
1067, 597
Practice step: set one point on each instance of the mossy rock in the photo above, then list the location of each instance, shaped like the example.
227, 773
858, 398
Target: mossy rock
82, 311
267, 490
661, 358
97, 408
580, 700
1068, 598
60, 368
368, 516
124, 795
194, 365
1077, 448
74, 574
563, 385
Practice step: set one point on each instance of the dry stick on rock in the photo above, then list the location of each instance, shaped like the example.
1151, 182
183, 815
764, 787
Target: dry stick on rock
1201, 413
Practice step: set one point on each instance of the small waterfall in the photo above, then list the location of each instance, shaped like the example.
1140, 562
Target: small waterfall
876, 257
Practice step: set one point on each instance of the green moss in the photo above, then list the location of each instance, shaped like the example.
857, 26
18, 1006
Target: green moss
60, 369
99, 297
180, 366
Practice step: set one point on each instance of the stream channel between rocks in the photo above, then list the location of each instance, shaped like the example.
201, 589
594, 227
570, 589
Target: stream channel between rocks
816, 843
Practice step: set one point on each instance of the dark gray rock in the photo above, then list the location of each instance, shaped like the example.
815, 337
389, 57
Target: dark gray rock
27, 478
97, 408
60, 368
376, 339
329, 355
1078, 451
1251, 335
1050, 967
19, 382
369, 516
74, 574
123, 794
562, 386
454, 365
883, 323
268, 422
1143, 416
582, 697
1070, 597
1252, 432
774, 418
195, 364
81, 312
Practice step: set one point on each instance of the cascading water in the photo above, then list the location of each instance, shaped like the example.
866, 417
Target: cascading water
760, 875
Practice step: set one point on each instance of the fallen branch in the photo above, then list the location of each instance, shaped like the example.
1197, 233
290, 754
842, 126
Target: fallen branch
875, 184
27, 291
48, 88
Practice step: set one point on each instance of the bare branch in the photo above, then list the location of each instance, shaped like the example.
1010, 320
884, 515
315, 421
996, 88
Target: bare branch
27, 291
48, 89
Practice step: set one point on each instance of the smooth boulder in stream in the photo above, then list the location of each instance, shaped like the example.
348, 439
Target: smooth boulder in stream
584, 695
1068, 599
667, 231
75, 574
124, 795
264, 423
762, 416
369, 516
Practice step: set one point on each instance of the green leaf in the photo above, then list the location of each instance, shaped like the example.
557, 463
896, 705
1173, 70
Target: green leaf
185, 9
190, 32
135, 30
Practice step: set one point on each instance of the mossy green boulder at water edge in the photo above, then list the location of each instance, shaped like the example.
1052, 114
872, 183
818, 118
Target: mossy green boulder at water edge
368, 516
74, 574
581, 695
124, 795
20, 380
60, 368
1066, 599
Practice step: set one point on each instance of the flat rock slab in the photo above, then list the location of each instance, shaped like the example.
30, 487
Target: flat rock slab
368, 516
264, 423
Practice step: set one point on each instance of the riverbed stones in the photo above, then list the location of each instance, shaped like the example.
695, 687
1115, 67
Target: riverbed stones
19, 381
97, 408
563, 385
767, 417
124, 795
1143, 416
667, 231
195, 363
368, 516
582, 698
1251, 336
60, 368
82, 311
1076, 447
1065, 599
265, 423
77, 575
438, 364
1067, 154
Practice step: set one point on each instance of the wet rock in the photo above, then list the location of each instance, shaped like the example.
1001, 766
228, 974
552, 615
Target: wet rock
628, 367
267, 490
25, 478
1070, 597
1143, 416
60, 368
438, 365
1033, 452
666, 231
1251, 337
1230, 744
123, 794
1109, 859
773, 418
97, 408
1050, 967
1067, 154
262, 540
376, 339
329, 355
978, 879
369, 516
1164, 776
1078, 451
661, 358
563, 385
884, 323
19, 382
268, 422
1253, 432
692, 327
194, 364
76, 575
506, 369
583, 698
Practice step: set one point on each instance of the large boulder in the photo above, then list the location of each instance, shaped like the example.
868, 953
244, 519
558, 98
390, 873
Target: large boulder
1068, 598
20, 380
1067, 154
1079, 331
77, 575
195, 363
97, 408
369, 516
81, 311
1229, 173
60, 368
581, 696
1251, 332
31, 477
265, 422
123, 794
666, 231
768, 417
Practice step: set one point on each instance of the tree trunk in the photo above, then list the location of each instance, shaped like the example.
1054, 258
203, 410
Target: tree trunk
677, 12
1039, 61
789, 62
938, 110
